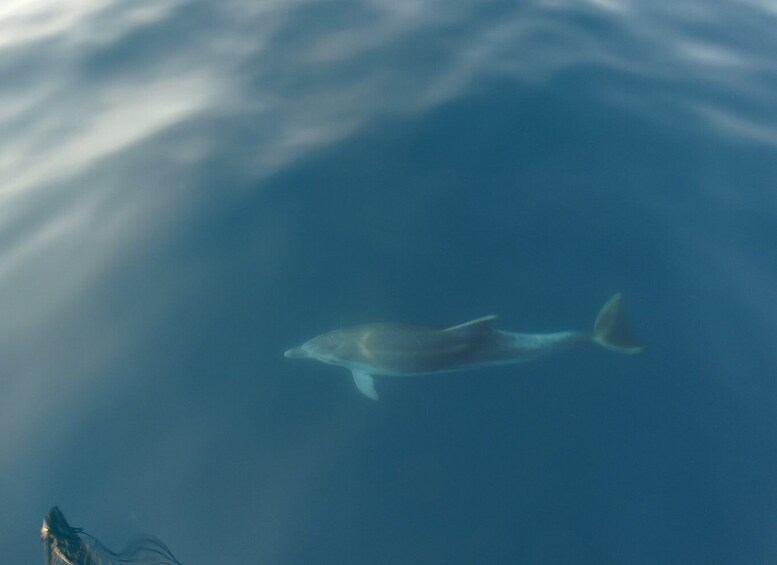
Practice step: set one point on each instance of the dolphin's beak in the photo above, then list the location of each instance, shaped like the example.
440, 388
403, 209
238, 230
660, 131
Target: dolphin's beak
295, 353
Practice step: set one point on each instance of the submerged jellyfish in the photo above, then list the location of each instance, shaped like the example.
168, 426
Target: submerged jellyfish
66, 545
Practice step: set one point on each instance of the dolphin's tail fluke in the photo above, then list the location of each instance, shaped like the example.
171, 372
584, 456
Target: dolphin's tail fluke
610, 329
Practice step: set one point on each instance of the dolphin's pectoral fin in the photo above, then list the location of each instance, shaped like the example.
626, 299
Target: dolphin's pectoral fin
365, 384
483, 323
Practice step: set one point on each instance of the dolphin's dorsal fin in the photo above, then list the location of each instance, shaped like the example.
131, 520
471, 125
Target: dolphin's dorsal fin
483, 323
365, 384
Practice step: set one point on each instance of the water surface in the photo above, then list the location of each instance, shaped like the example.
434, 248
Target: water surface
187, 189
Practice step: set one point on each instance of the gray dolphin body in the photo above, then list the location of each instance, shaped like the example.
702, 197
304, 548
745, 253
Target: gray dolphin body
400, 350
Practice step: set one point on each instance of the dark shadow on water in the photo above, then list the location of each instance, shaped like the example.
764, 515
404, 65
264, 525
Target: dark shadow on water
66, 545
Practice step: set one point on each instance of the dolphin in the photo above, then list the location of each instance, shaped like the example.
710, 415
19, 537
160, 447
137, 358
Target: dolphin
400, 350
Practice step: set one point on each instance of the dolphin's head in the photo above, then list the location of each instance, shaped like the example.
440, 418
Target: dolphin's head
296, 353
323, 348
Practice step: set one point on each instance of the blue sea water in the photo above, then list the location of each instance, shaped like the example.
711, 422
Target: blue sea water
189, 188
